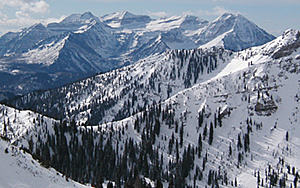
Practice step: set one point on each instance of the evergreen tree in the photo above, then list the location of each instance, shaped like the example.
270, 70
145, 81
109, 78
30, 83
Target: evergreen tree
199, 145
176, 126
235, 182
240, 157
171, 142
210, 177
99, 182
200, 118
181, 135
211, 134
137, 125
171, 183
296, 180
258, 178
219, 119
247, 142
157, 127
239, 144
110, 184
205, 132
158, 184
282, 182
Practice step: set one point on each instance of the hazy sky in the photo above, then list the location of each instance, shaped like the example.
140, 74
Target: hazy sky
274, 16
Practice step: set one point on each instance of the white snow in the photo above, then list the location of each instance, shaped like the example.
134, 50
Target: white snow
218, 41
19, 169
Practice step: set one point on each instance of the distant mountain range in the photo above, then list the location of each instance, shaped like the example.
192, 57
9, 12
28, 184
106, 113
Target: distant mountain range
48, 56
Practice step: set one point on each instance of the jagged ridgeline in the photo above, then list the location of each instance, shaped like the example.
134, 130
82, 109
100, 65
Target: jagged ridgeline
120, 93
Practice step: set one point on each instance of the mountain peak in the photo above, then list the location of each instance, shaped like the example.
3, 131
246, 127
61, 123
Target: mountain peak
35, 27
126, 14
87, 15
226, 16
234, 32
116, 16
79, 17
38, 25
231, 16
240, 16
125, 18
193, 18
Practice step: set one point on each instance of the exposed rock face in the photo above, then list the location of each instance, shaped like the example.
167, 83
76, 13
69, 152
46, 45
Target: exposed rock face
265, 109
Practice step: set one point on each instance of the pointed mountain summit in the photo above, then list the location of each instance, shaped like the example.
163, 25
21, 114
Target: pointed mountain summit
234, 32
79, 18
72, 23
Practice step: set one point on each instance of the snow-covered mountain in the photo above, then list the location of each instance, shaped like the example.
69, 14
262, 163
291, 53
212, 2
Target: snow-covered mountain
234, 32
83, 44
202, 117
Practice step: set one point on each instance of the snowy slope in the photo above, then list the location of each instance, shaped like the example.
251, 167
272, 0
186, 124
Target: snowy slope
19, 169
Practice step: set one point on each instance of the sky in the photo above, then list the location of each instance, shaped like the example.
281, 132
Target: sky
275, 16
